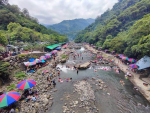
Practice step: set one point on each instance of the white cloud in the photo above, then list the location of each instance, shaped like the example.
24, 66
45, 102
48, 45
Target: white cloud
55, 11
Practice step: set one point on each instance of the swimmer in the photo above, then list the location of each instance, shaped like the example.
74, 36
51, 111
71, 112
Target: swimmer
97, 76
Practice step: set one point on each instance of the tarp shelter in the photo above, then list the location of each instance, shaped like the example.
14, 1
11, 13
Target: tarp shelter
52, 46
58, 48
143, 63
31, 60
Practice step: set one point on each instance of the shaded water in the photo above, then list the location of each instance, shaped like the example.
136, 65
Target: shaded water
122, 99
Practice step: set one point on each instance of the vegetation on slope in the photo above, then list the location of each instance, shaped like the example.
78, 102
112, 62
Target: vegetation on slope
122, 32
22, 27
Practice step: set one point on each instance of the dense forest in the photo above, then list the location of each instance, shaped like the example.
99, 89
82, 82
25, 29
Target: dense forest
17, 25
71, 28
125, 29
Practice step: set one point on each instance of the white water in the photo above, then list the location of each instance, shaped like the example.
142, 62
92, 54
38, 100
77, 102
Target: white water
82, 49
63, 68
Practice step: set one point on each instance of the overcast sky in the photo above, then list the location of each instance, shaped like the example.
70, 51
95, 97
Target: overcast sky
55, 11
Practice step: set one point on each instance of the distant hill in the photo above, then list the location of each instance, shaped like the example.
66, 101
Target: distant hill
71, 27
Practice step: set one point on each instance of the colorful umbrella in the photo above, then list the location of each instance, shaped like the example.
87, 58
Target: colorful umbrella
113, 51
131, 60
47, 56
55, 51
8, 98
134, 66
26, 84
125, 58
30, 63
42, 58
121, 56
37, 61
42, 61
45, 71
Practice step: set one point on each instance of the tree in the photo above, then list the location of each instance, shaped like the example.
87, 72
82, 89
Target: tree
26, 12
11, 26
3, 40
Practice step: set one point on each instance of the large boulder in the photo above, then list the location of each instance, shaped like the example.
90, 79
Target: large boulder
63, 60
84, 66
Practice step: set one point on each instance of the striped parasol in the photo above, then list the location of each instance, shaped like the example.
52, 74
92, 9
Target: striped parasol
7, 99
125, 58
132, 60
134, 66
26, 84
30, 63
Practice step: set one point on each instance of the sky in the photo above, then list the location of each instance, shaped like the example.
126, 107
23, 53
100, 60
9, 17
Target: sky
54, 11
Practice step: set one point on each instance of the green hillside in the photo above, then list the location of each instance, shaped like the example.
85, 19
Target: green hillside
17, 25
71, 27
121, 29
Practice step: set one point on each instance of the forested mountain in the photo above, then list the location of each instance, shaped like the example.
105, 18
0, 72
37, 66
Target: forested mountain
17, 25
124, 29
71, 27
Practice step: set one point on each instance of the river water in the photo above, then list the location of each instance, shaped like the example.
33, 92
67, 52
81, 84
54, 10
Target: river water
122, 99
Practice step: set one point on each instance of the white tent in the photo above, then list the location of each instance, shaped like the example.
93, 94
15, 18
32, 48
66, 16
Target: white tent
143, 63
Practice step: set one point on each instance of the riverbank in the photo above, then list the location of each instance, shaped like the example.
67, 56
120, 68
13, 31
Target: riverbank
135, 79
45, 91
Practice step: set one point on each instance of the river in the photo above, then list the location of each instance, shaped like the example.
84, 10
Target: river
115, 99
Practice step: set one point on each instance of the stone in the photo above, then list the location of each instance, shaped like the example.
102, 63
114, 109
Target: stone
93, 78
55, 90
51, 98
48, 96
108, 93
46, 101
36, 105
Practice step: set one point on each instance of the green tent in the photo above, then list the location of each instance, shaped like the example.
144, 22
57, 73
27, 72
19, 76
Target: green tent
52, 46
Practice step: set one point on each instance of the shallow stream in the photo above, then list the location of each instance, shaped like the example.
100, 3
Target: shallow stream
122, 99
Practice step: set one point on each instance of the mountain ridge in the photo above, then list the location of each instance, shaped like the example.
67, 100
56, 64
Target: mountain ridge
71, 27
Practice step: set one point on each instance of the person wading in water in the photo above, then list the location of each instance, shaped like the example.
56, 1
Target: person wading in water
77, 71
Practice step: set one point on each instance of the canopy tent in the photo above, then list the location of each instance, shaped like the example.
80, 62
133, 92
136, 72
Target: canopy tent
53, 46
143, 62
58, 48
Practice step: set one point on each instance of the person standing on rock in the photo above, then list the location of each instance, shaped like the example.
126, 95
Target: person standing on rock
82, 58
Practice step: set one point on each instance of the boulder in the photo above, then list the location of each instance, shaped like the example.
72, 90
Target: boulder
84, 66
45, 101
63, 60
48, 96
